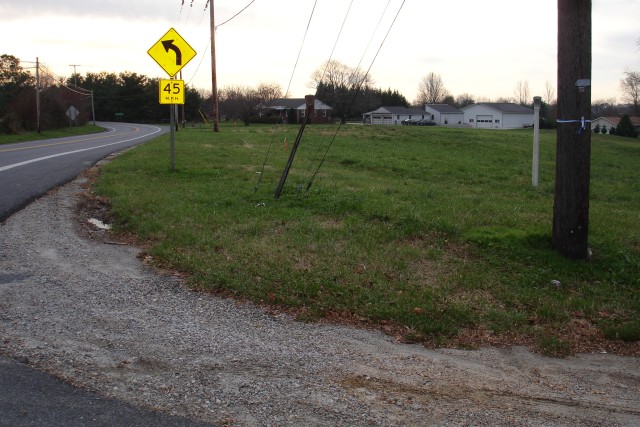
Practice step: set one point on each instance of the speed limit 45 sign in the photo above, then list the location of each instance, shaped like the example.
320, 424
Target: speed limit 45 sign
171, 91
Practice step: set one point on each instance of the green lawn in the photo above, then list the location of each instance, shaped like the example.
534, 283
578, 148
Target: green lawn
48, 134
433, 234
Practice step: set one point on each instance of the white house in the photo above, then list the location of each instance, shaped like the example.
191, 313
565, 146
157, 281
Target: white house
444, 114
609, 122
498, 115
394, 115
605, 122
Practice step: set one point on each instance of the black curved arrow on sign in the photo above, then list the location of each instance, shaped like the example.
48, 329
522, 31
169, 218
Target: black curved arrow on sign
168, 44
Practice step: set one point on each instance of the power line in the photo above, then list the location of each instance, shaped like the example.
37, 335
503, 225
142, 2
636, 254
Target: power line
242, 10
215, 29
322, 142
266, 157
356, 93
301, 46
328, 63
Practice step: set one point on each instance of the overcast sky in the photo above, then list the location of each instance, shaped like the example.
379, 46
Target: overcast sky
483, 48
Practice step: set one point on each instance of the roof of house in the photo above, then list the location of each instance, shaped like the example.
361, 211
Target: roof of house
635, 121
612, 120
397, 110
445, 108
504, 107
296, 104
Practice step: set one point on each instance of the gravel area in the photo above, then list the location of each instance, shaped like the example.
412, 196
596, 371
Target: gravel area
92, 314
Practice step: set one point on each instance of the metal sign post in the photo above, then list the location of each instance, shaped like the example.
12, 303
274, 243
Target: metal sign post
171, 53
172, 119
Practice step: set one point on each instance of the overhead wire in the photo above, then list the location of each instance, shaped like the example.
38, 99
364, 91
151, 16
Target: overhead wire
208, 46
310, 183
59, 81
266, 157
328, 63
234, 16
356, 74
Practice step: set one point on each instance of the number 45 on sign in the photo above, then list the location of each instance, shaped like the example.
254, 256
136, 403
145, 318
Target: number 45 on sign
171, 91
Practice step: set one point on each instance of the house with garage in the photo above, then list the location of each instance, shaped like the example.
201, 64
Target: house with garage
612, 122
394, 115
444, 114
293, 110
498, 115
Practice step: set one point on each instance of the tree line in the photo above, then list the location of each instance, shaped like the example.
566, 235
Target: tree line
126, 96
133, 97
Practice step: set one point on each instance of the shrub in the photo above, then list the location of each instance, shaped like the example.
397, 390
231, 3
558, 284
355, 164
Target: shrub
625, 128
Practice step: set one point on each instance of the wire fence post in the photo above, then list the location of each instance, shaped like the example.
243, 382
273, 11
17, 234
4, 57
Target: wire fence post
310, 101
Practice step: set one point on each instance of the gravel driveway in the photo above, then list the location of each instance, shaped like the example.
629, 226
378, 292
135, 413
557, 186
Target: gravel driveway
92, 314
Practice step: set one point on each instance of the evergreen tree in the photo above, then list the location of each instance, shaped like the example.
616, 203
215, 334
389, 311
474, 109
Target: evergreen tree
625, 128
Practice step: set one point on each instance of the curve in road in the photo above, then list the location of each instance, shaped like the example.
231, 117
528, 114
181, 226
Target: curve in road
30, 169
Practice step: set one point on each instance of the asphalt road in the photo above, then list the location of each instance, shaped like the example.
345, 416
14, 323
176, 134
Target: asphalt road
29, 397
29, 169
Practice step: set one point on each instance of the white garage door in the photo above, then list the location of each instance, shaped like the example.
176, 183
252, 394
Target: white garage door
484, 121
382, 120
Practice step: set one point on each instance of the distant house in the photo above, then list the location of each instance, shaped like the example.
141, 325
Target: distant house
609, 122
498, 115
444, 114
394, 115
293, 110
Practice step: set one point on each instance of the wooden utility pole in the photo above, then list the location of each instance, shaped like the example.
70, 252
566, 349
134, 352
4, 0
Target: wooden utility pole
573, 147
38, 95
214, 79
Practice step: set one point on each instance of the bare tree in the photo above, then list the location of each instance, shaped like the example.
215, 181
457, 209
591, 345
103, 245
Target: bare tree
549, 95
604, 108
630, 87
239, 102
267, 92
522, 93
504, 99
345, 88
335, 74
464, 100
431, 90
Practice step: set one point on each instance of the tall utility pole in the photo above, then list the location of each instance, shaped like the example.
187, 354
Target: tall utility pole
75, 81
573, 147
38, 95
214, 80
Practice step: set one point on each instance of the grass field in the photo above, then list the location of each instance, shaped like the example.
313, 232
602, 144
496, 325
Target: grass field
47, 134
435, 235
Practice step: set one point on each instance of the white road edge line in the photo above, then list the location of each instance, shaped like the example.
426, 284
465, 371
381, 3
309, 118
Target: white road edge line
26, 162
